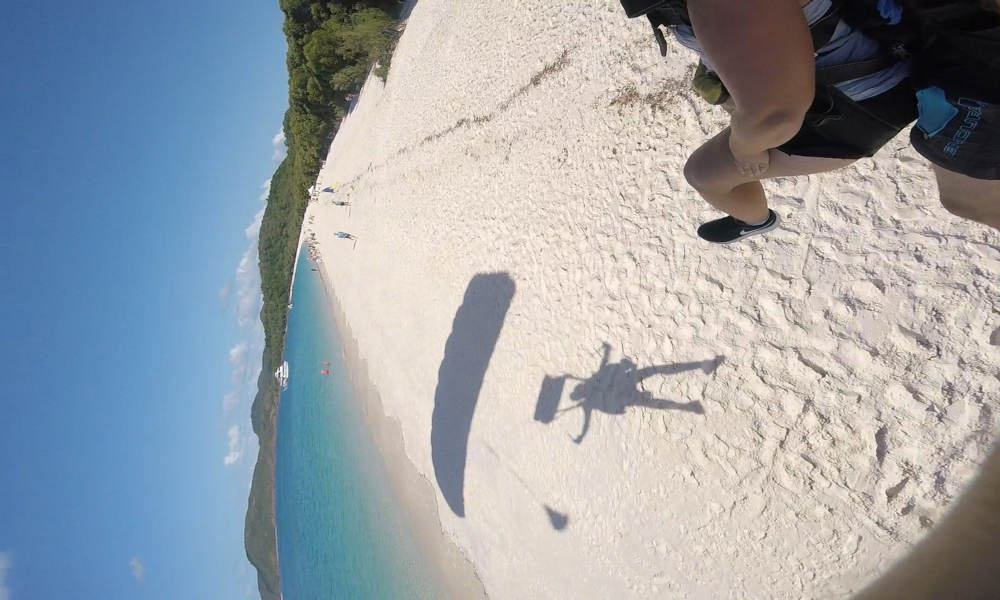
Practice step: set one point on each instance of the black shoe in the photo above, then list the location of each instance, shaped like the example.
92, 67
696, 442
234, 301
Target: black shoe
727, 229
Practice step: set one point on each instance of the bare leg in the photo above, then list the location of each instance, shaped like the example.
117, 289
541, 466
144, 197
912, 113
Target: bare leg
712, 172
969, 198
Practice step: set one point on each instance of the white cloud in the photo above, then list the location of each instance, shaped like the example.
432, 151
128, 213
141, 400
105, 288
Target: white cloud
235, 446
245, 297
248, 297
138, 569
225, 292
252, 230
5, 563
245, 356
236, 352
238, 358
229, 401
278, 141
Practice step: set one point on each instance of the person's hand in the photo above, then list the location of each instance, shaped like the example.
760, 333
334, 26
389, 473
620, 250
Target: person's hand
755, 164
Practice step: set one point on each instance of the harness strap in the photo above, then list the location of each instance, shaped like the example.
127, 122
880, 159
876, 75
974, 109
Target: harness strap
658, 34
853, 70
823, 29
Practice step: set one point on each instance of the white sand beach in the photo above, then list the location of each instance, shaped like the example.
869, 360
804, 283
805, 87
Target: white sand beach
780, 418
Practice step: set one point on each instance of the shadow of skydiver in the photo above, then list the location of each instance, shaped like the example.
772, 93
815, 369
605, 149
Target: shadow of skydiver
467, 353
613, 388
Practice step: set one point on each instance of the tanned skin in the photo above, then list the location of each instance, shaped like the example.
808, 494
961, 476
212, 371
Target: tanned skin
974, 199
763, 52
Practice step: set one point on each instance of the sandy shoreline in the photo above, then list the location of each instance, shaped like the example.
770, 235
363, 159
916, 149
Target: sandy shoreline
843, 367
453, 572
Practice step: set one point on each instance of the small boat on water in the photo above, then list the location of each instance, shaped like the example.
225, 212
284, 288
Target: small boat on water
282, 375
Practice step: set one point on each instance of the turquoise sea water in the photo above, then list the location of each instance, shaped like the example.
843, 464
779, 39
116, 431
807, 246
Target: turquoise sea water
341, 532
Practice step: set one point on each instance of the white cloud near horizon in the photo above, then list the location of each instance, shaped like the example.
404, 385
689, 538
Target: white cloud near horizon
5, 563
245, 356
138, 569
280, 149
225, 292
235, 446
238, 358
248, 297
229, 401
245, 297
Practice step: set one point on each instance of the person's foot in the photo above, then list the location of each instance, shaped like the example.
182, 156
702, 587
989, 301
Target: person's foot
727, 229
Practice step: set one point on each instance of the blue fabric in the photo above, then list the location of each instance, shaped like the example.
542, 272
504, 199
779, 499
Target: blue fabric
934, 109
847, 45
877, 83
890, 11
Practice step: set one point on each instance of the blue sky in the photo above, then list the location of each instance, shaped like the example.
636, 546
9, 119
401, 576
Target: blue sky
136, 139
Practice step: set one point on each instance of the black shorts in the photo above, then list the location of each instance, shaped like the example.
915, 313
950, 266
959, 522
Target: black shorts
838, 127
958, 134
